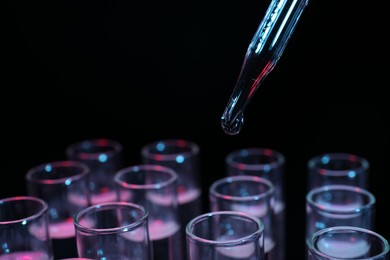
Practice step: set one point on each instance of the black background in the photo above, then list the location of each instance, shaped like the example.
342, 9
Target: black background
138, 71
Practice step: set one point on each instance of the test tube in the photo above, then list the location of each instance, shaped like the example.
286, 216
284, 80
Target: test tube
347, 242
268, 164
338, 168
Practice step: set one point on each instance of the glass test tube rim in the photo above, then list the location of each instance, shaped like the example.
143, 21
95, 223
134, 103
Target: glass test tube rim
77, 149
351, 229
111, 205
146, 167
190, 148
316, 163
266, 152
34, 199
339, 187
225, 243
83, 171
247, 178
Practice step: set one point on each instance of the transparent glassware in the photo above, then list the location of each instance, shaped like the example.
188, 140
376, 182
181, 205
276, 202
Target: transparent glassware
264, 51
155, 188
24, 229
103, 157
252, 195
223, 235
347, 242
338, 168
339, 205
113, 230
63, 185
183, 156
268, 164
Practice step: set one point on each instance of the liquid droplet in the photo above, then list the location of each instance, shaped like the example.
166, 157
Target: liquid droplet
232, 127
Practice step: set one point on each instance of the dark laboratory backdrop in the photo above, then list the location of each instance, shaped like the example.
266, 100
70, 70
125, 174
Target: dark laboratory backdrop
147, 70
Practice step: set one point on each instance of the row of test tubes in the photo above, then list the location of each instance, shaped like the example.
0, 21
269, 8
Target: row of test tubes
85, 193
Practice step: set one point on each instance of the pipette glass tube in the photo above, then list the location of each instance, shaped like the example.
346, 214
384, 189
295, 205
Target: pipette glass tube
263, 52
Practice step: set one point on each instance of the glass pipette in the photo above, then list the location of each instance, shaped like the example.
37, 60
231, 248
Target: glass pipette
263, 52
